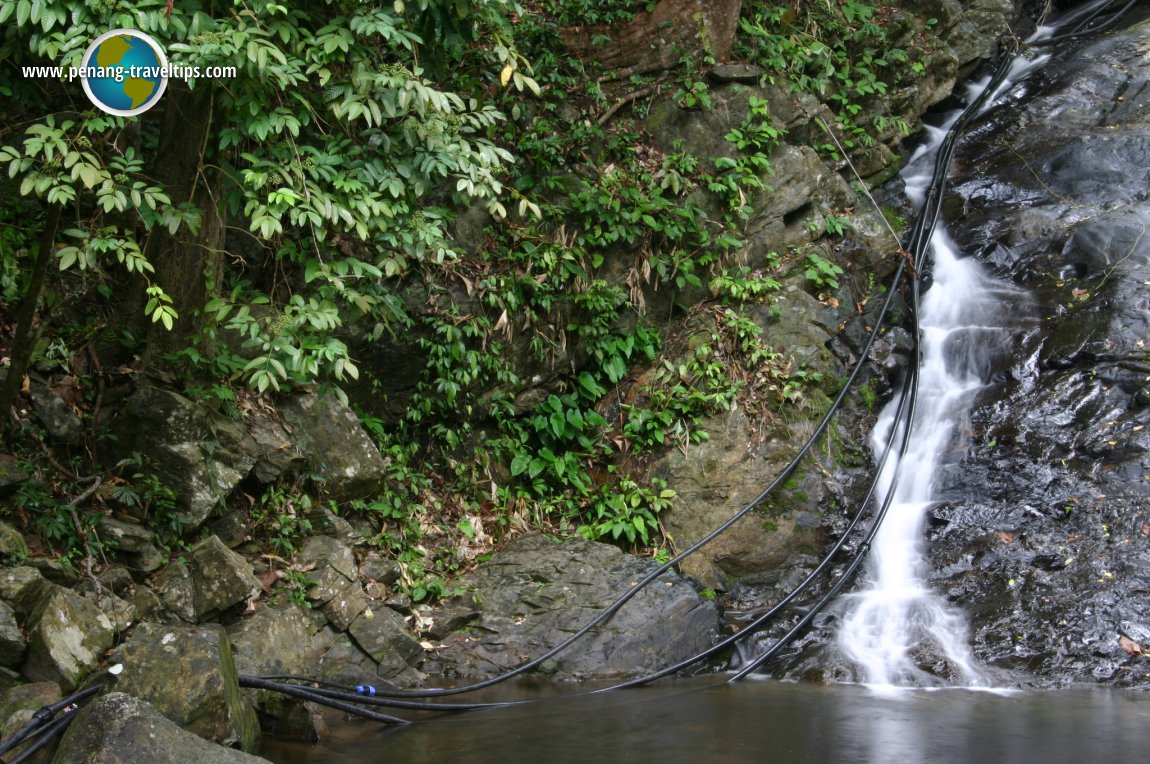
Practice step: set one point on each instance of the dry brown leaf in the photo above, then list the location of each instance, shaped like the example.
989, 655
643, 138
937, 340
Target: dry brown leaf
1129, 645
268, 578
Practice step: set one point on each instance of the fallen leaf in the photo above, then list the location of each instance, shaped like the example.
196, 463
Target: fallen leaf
1129, 645
1005, 537
268, 578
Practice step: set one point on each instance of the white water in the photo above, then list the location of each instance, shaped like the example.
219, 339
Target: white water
896, 630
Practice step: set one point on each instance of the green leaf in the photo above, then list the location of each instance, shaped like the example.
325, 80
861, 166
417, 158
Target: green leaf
67, 257
520, 463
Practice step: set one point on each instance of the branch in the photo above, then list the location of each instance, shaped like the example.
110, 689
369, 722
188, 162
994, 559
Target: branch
624, 100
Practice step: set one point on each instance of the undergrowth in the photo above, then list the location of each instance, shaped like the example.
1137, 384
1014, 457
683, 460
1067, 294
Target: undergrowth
549, 385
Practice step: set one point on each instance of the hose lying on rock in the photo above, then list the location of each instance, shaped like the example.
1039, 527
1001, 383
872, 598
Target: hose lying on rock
45, 725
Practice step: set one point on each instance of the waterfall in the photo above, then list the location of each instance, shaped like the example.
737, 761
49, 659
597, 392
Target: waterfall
895, 629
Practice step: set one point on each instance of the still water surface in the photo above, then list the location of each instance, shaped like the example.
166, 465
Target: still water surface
704, 720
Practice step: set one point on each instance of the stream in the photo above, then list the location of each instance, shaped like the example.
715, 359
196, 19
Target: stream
700, 721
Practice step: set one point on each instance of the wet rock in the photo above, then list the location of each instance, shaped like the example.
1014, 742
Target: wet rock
120, 729
188, 674
335, 446
67, 637
1043, 535
971, 29
535, 593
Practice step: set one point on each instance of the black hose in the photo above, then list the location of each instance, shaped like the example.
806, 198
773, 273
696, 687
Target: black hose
302, 693
44, 736
1084, 28
44, 716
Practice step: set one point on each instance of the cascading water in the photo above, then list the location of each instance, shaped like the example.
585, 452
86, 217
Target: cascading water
895, 629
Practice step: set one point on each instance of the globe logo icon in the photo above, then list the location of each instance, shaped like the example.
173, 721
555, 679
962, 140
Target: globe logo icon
124, 72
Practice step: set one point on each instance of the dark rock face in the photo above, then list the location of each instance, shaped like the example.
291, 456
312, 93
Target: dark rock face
535, 593
1044, 533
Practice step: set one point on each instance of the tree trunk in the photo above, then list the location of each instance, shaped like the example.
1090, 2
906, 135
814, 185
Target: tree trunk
23, 341
187, 264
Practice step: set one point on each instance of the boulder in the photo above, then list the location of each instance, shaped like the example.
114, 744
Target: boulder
221, 578
335, 445
331, 565
175, 588
213, 579
536, 592
120, 729
715, 479
67, 636
276, 455
278, 640
23, 588
188, 674
342, 609
281, 639
12, 545
200, 455
385, 636
133, 540
12, 642
56, 414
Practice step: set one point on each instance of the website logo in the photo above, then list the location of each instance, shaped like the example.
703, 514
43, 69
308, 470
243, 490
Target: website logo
124, 72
